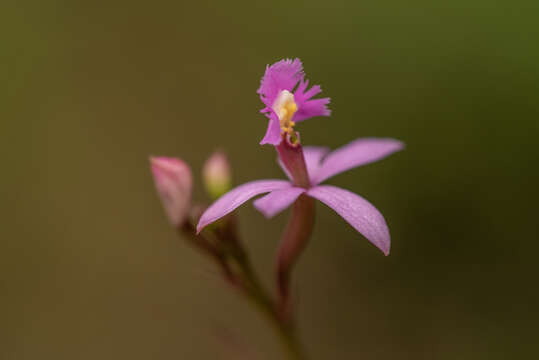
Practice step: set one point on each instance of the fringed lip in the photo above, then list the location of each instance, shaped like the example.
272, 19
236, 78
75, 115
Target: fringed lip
288, 75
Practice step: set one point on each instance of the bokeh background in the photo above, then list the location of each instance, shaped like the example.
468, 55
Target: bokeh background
90, 269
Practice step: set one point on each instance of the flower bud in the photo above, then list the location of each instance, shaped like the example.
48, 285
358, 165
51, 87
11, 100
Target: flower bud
216, 174
174, 183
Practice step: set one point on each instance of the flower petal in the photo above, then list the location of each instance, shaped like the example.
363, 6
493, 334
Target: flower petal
312, 108
277, 200
273, 133
358, 212
237, 196
283, 75
309, 108
356, 153
313, 159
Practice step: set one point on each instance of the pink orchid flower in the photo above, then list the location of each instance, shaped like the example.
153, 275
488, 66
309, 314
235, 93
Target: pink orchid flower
307, 168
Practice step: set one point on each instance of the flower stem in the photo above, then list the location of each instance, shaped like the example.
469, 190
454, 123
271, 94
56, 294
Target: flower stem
263, 301
227, 251
294, 240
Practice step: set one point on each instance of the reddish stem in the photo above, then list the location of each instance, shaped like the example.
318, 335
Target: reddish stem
294, 240
291, 155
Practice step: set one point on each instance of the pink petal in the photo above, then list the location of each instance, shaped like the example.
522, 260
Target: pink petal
356, 153
277, 200
358, 212
313, 159
283, 75
308, 108
237, 196
273, 133
315, 90
312, 108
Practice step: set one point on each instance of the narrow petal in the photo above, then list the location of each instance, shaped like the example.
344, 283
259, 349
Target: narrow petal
303, 85
313, 159
273, 133
356, 153
283, 75
312, 108
237, 196
358, 212
308, 108
277, 200
315, 90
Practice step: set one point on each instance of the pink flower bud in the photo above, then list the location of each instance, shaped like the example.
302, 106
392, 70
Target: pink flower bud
217, 174
174, 183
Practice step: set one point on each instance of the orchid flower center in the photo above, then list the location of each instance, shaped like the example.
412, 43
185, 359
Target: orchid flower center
285, 107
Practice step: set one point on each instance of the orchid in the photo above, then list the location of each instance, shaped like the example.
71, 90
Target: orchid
316, 164
307, 168
283, 90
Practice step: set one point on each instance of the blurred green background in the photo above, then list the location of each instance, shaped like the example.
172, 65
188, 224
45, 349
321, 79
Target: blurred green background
90, 269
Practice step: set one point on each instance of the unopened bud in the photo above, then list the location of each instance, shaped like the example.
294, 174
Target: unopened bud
174, 183
217, 175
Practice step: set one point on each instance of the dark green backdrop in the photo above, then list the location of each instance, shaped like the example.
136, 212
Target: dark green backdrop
89, 268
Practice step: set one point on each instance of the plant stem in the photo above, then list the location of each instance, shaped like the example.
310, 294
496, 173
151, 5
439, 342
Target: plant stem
263, 301
294, 239
237, 270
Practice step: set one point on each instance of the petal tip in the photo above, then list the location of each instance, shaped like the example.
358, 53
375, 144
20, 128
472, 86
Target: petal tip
385, 243
269, 141
273, 132
266, 214
200, 226
399, 145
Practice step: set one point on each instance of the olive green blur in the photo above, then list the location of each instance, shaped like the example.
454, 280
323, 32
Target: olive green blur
90, 269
